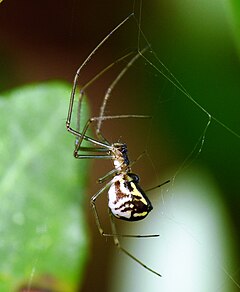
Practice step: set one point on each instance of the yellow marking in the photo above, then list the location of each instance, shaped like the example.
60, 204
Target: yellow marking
136, 192
140, 214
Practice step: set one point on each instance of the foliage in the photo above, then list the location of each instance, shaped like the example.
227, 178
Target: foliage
43, 234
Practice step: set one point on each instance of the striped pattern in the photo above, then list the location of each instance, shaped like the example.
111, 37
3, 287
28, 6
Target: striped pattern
126, 199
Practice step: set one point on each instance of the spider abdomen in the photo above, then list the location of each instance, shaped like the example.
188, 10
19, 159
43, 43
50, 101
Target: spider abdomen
126, 199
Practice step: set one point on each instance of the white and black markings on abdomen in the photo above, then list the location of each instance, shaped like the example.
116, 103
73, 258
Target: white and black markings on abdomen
126, 199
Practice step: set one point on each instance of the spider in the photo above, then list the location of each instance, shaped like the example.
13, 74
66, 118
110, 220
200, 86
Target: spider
126, 199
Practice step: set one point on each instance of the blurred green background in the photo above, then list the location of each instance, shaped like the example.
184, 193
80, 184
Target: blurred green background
197, 40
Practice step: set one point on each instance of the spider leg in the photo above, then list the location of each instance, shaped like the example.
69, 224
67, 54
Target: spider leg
106, 96
158, 186
88, 84
105, 146
107, 175
118, 245
105, 99
84, 87
79, 140
112, 85
69, 116
82, 136
94, 208
74, 88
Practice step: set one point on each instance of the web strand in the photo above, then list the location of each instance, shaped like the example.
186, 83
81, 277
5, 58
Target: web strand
169, 75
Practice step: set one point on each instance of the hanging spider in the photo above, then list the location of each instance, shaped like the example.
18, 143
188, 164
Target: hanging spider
126, 199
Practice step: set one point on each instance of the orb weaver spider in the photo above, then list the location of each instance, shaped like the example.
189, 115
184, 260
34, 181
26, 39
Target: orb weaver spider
126, 199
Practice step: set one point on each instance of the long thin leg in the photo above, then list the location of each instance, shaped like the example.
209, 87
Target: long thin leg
107, 94
94, 208
118, 245
84, 87
107, 175
92, 156
82, 136
112, 85
158, 186
69, 116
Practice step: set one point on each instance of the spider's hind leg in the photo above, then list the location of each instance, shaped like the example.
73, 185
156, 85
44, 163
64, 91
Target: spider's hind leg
118, 245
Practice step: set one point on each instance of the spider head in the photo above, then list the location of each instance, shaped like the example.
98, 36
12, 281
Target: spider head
119, 150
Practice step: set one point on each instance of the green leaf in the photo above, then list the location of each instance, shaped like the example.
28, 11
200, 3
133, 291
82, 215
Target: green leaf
43, 240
